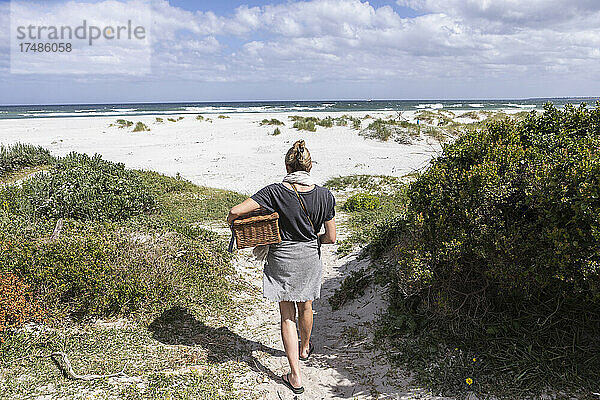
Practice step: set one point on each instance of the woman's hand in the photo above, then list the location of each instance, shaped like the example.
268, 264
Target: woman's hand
247, 206
330, 235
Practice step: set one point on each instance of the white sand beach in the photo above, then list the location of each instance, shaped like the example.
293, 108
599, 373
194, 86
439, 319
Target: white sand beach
234, 153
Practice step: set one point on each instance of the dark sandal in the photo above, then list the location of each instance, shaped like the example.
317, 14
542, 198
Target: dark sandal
287, 383
311, 348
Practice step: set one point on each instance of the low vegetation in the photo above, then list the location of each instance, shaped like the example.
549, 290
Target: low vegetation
90, 239
310, 123
272, 121
276, 132
140, 127
385, 129
20, 156
492, 263
370, 201
199, 118
362, 202
159, 120
345, 120
378, 184
439, 125
81, 187
121, 123
223, 116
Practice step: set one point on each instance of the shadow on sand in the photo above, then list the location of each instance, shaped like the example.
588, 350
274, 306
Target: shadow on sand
177, 326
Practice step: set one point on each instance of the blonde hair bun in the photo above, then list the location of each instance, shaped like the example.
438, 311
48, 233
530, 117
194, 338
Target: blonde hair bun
298, 157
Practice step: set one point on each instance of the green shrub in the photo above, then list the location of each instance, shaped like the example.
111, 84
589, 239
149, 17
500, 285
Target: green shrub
102, 269
141, 265
171, 120
223, 116
342, 121
140, 127
471, 114
199, 117
326, 122
374, 184
272, 121
159, 120
276, 132
18, 156
83, 187
379, 129
362, 201
309, 123
122, 123
180, 201
305, 126
498, 252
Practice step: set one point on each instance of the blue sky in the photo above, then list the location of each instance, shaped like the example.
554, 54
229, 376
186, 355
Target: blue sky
335, 49
226, 7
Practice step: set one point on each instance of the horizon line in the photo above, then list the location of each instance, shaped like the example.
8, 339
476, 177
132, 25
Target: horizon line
301, 101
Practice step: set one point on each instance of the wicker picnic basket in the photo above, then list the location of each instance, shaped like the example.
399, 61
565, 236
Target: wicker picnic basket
257, 228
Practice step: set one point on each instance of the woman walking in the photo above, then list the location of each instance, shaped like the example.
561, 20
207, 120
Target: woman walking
293, 270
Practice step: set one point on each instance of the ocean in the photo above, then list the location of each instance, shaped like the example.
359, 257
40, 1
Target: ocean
138, 109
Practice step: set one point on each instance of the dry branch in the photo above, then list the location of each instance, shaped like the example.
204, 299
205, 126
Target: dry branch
62, 362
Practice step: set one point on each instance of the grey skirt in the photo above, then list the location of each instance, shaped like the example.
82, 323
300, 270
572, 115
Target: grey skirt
293, 272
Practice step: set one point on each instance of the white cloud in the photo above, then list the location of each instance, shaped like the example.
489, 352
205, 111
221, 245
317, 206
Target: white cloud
91, 52
351, 40
513, 13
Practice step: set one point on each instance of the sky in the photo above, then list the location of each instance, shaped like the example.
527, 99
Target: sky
241, 50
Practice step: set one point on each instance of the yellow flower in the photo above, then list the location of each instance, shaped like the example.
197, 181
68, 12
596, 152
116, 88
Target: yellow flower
474, 360
469, 381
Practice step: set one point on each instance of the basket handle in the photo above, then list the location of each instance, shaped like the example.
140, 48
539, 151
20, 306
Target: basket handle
232, 240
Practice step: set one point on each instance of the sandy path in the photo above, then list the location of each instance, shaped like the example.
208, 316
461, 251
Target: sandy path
344, 365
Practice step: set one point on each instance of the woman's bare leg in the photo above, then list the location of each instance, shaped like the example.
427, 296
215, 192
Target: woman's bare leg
289, 335
305, 322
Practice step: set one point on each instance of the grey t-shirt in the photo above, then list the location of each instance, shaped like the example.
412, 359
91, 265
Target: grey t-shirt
293, 222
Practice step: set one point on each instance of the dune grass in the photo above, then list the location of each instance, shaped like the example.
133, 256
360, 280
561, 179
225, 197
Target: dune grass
272, 121
384, 199
141, 127
137, 265
310, 123
19, 158
122, 123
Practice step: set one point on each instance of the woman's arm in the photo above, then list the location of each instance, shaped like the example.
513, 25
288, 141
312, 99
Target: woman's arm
244, 207
329, 236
